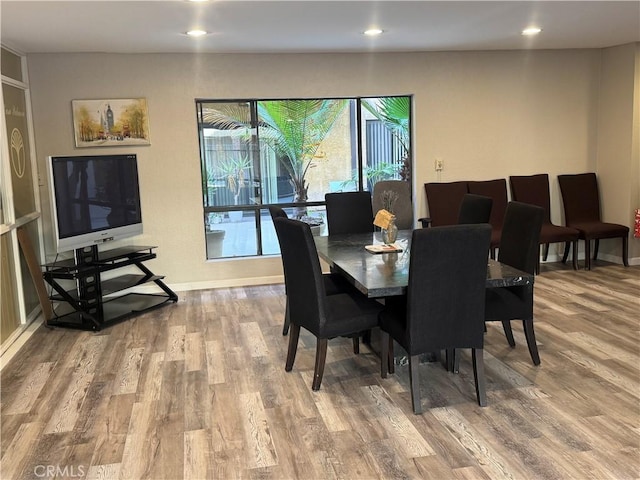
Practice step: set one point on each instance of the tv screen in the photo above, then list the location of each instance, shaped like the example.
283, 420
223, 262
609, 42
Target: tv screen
96, 199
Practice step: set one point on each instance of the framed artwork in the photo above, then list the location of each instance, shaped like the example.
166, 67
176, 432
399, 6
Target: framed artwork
110, 122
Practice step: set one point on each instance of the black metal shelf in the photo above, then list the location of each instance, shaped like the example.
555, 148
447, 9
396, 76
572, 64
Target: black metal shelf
114, 310
114, 285
92, 304
107, 260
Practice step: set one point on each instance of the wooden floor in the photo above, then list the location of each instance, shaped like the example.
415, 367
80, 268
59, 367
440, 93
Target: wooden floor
198, 390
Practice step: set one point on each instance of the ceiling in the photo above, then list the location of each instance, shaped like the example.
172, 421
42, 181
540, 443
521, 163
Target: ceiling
239, 26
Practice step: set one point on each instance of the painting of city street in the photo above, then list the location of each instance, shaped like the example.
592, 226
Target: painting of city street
110, 123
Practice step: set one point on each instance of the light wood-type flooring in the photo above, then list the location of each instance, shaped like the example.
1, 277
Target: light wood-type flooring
197, 390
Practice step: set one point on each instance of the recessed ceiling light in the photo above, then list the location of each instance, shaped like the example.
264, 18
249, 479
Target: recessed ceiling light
196, 33
531, 31
373, 32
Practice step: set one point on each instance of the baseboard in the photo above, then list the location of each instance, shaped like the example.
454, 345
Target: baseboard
617, 259
17, 339
601, 256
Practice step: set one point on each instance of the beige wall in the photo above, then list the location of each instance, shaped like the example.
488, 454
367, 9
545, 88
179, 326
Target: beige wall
634, 250
487, 114
618, 138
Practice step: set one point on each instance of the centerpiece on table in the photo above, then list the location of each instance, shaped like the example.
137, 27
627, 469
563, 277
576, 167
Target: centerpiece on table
385, 218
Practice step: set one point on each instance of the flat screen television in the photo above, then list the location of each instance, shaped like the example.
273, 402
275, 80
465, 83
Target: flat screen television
95, 199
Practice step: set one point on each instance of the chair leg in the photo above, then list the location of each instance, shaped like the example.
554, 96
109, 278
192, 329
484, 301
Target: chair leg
356, 345
506, 325
575, 254
565, 255
595, 248
545, 251
287, 318
293, 347
531, 340
456, 361
448, 359
587, 254
478, 374
321, 357
384, 353
452, 360
414, 381
391, 357
492, 253
625, 251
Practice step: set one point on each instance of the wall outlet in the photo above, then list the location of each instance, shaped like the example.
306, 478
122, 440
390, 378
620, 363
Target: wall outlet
439, 164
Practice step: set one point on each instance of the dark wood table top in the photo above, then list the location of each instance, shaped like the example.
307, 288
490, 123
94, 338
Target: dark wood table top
387, 274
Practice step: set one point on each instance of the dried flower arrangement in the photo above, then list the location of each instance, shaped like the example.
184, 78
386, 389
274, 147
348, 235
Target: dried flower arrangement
389, 198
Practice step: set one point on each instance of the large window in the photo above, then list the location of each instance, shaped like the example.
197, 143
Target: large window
256, 153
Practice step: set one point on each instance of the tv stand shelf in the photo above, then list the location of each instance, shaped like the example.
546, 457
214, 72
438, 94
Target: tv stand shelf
94, 303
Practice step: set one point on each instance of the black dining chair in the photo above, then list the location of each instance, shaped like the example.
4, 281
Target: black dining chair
475, 209
519, 248
534, 189
349, 212
325, 316
581, 201
333, 283
444, 306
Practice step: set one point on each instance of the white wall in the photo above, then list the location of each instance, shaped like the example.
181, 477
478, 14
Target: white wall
487, 114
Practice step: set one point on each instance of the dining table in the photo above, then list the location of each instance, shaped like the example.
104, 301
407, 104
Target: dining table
379, 275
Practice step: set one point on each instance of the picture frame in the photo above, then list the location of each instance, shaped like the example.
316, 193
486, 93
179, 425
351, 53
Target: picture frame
110, 122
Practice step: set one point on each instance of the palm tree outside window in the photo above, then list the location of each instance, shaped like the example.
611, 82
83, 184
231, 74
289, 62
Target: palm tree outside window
256, 153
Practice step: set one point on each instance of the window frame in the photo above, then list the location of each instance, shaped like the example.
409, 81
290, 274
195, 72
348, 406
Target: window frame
357, 129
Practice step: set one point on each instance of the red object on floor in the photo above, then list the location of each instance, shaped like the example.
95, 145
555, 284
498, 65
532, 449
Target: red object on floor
636, 228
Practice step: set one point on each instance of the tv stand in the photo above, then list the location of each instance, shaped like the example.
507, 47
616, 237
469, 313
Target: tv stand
94, 303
